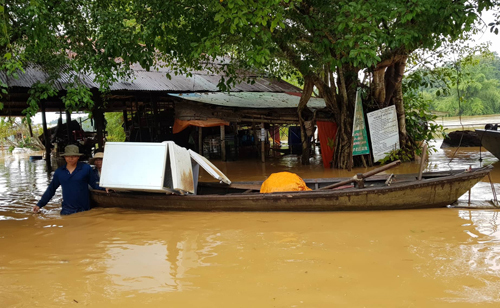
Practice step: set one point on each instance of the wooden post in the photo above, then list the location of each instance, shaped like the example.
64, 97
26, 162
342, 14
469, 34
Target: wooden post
99, 123
495, 200
351, 157
255, 136
68, 122
222, 143
262, 143
46, 136
236, 140
273, 133
422, 162
156, 120
360, 181
98, 114
200, 140
139, 119
125, 119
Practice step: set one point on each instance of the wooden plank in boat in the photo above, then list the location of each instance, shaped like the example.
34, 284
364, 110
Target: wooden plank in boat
245, 186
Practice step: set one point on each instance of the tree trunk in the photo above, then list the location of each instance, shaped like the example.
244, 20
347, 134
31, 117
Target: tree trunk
347, 85
390, 73
306, 141
396, 96
378, 85
400, 110
393, 78
341, 105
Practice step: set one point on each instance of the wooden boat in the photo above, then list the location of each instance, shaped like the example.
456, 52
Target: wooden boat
381, 192
490, 139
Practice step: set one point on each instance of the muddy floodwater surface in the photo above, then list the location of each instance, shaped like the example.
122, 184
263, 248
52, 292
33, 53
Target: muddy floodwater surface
444, 257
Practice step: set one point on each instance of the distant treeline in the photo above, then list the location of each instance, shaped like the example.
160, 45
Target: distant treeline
470, 86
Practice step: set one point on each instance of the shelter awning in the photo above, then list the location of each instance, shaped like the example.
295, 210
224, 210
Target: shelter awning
180, 125
251, 99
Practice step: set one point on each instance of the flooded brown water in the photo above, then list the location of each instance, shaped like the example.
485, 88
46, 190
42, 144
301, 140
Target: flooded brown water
122, 258
466, 122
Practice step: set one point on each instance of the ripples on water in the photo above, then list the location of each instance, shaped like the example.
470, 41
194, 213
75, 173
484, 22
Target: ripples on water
22, 183
124, 258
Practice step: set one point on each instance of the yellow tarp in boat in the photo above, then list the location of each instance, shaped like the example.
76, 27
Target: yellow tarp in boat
283, 181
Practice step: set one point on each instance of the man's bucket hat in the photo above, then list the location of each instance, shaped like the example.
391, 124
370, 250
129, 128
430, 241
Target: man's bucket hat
71, 150
96, 156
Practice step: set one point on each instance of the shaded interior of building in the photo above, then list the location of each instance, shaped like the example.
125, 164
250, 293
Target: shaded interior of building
253, 121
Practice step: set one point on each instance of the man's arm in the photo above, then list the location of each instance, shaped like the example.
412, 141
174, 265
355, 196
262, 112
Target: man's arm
94, 180
49, 193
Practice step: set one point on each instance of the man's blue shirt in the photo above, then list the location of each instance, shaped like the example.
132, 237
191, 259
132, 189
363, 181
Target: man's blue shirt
75, 189
97, 177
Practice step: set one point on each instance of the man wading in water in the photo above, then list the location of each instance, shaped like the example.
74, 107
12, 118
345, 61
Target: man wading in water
74, 177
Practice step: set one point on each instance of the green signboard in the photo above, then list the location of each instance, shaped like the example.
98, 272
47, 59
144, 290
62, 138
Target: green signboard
359, 129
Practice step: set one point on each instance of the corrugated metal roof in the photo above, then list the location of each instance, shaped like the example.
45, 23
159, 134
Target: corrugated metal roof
251, 99
34, 74
154, 80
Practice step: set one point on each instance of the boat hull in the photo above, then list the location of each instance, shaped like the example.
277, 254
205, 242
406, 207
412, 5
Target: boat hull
490, 139
427, 193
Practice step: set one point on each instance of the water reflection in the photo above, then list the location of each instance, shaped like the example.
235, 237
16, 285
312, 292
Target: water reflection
157, 266
130, 270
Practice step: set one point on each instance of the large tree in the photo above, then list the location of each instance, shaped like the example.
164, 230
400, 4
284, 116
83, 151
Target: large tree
327, 42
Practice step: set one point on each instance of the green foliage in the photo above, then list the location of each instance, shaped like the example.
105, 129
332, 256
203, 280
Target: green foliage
38, 92
420, 122
114, 126
470, 87
275, 36
404, 155
78, 97
15, 133
280, 37
495, 24
5, 127
70, 37
24, 142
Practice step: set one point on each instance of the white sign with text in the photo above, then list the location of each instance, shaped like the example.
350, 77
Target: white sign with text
384, 132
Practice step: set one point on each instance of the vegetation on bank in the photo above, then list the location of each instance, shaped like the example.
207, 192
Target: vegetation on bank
469, 86
15, 133
114, 126
479, 91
